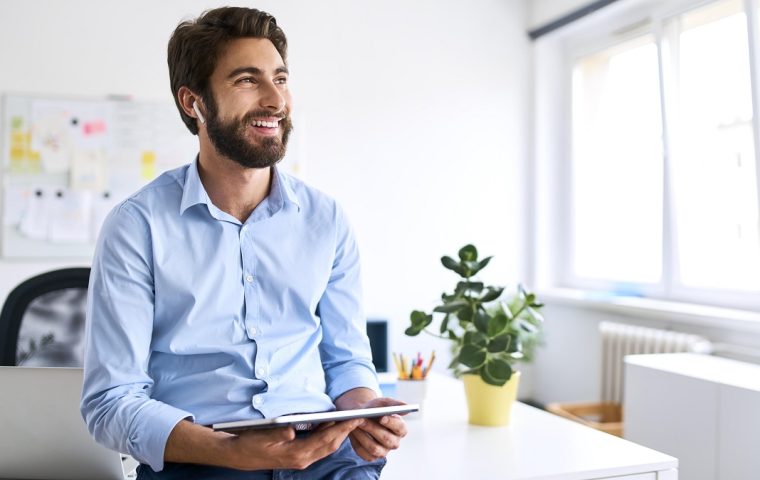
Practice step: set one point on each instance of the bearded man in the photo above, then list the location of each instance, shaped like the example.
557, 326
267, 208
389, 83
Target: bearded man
228, 290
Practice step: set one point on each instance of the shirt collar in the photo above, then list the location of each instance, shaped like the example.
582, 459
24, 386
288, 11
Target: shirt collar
193, 192
282, 191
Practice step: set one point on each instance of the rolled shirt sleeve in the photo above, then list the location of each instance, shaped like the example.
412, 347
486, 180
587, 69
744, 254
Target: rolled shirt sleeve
345, 350
116, 402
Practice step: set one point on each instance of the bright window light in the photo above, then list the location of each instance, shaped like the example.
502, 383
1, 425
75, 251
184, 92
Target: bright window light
713, 156
617, 169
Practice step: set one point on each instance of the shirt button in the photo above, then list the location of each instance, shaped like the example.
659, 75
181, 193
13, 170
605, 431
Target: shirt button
252, 331
257, 400
261, 371
249, 278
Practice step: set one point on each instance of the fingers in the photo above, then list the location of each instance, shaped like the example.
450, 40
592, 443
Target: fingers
395, 424
367, 447
322, 426
273, 435
325, 441
280, 448
299, 453
388, 430
358, 448
286, 434
375, 439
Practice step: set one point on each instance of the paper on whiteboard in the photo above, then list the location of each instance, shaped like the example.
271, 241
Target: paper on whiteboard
34, 223
60, 128
15, 201
51, 136
70, 216
88, 170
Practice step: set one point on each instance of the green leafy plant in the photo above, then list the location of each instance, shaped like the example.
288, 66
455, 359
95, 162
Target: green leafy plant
489, 333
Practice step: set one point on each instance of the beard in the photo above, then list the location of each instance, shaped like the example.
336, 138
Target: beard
230, 140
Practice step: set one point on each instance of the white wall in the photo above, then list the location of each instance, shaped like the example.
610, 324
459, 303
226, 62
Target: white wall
413, 114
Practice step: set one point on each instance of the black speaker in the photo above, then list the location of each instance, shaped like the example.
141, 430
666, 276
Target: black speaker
377, 331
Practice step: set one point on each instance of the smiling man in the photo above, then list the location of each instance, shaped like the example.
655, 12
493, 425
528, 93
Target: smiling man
227, 290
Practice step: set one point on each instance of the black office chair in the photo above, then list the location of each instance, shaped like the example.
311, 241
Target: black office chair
42, 321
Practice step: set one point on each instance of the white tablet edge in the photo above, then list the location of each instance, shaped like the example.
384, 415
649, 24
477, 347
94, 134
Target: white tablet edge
304, 421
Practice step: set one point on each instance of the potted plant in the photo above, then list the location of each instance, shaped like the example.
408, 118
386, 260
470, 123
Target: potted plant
489, 332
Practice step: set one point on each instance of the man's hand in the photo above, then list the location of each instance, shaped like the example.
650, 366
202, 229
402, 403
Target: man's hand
279, 448
276, 448
377, 436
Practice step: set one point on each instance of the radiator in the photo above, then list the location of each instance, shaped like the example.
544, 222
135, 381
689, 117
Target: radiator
619, 340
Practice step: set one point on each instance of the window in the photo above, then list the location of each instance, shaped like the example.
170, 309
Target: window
617, 167
663, 188
713, 155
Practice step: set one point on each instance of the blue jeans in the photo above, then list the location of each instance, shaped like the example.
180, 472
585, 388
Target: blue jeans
343, 464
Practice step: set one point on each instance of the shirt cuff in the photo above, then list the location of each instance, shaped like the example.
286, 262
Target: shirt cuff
355, 377
150, 431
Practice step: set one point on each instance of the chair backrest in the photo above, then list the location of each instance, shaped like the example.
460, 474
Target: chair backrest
42, 321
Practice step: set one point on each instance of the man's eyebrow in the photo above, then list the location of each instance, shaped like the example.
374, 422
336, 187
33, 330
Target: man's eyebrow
255, 71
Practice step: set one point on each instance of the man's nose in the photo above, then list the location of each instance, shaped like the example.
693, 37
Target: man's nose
271, 97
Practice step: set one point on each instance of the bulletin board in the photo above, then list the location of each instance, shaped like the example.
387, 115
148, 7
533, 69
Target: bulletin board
67, 162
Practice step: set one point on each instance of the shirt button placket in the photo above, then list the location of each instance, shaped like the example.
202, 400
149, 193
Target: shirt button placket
248, 280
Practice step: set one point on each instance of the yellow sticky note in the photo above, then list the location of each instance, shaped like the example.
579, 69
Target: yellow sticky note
33, 156
148, 165
17, 153
18, 137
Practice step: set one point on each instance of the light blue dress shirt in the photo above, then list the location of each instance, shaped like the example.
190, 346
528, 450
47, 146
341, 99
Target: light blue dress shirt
192, 314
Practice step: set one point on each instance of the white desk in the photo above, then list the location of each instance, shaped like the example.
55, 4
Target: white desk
536, 445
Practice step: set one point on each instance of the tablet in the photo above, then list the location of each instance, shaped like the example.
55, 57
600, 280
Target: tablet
307, 421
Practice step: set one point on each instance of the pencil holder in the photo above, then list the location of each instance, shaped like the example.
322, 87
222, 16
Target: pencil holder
412, 391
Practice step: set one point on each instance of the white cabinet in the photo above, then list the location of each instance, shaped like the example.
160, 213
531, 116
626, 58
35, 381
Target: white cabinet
700, 409
739, 435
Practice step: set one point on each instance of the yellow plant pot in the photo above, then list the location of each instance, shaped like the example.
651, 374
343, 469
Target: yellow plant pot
490, 405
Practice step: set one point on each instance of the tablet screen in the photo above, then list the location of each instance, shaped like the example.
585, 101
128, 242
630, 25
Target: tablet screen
307, 421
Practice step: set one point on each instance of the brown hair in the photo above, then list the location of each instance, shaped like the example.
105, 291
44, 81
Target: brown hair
195, 46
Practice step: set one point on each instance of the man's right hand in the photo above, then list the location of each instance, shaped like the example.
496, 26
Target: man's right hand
278, 448
269, 449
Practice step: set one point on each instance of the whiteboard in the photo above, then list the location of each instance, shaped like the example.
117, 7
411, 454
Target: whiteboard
67, 162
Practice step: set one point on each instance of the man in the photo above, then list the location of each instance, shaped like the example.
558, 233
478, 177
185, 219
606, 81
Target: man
227, 290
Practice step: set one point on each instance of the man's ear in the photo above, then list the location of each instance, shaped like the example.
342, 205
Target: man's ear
191, 103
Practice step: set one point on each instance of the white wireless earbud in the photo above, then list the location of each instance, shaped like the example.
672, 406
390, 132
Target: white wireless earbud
198, 112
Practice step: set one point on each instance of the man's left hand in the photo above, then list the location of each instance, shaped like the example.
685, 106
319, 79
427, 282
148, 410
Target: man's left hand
377, 436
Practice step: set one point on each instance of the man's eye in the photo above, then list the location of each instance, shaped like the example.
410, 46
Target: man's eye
246, 80
281, 80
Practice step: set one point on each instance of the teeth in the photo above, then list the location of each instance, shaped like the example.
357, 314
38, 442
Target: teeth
260, 123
